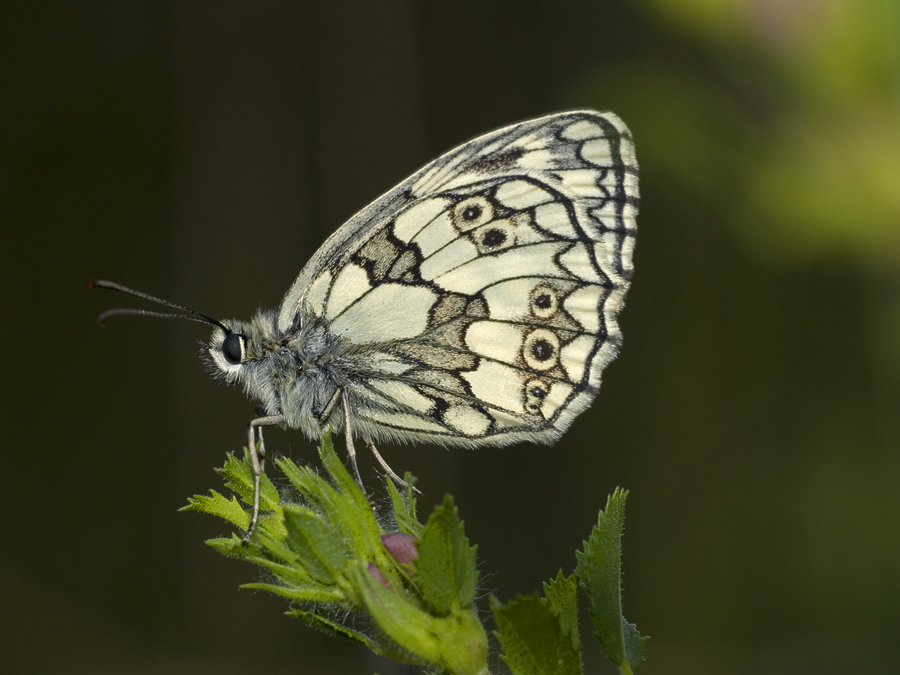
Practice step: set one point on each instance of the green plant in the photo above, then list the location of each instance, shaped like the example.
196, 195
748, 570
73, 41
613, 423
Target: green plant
333, 556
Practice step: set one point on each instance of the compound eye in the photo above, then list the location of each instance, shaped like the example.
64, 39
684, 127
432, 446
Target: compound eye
233, 348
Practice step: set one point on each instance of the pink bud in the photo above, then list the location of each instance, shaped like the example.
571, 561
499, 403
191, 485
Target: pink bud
377, 575
401, 546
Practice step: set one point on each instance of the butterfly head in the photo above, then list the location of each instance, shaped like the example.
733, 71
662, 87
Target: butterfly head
250, 355
293, 373
231, 347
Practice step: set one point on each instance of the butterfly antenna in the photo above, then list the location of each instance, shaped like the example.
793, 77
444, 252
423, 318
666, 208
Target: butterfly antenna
189, 313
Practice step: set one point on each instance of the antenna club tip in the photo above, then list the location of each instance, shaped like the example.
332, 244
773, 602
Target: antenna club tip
99, 283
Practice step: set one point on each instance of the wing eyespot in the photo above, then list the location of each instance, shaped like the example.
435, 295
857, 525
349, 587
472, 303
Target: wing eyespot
541, 349
544, 301
535, 392
471, 213
494, 236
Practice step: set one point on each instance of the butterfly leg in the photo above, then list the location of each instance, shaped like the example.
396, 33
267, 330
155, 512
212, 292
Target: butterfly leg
387, 469
348, 436
258, 462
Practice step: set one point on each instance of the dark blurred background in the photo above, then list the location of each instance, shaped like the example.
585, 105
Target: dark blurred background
202, 151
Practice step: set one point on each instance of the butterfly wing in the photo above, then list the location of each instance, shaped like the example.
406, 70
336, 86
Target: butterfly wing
481, 294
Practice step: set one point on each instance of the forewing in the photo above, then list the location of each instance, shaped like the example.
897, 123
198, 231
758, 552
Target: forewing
483, 291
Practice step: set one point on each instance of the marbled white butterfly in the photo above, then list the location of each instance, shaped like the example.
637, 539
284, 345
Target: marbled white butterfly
473, 304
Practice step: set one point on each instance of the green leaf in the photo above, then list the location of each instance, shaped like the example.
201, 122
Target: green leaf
404, 506
533, 638
318, 546
217, 505
456, 643
635, 644
272, 547
343, 506
305, 595
446, 562
344, 482
599, 568
327, 626
561, 596
230, 546
317, 491
238, 475
292, 576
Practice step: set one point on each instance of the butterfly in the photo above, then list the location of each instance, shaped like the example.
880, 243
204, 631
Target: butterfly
473, 304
